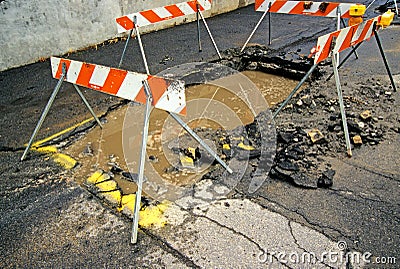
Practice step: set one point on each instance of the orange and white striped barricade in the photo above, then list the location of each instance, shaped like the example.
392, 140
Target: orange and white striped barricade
143, 18
309, 8
167, 94
331, 44
160, 92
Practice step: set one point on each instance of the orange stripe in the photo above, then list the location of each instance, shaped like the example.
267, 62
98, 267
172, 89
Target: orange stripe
192, 4
151, 16
298, 9
363, 35
183, 111
174, 10
325, 50
85, 74
114, 81
59, 70
125, 22
258, 3
346, 42
276, 6
159, 85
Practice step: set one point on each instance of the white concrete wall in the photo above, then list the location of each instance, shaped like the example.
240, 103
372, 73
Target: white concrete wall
34, 29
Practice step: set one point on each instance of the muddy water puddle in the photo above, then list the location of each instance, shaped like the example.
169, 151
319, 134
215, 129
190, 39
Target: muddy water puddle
104, 148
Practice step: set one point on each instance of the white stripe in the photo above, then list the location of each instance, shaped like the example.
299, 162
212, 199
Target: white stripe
55, 62
321, 44
357, 34
99, 75
205, 4
173, 98
185, 8
73, 71
339, 41
333, 13
140, 20
162, 12
131, 86
287, 7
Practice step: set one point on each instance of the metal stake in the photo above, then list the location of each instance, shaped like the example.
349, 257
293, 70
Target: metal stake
342, 111
125, 47
378, 41
141, 163
201, 142
46, 110
346, 58
295, 90
87, 105
269, 24
198, 26
209, 33
146, 66
339, 15
255, 29
397, 9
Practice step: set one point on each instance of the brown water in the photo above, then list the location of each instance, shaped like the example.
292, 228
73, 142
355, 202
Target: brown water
106, 145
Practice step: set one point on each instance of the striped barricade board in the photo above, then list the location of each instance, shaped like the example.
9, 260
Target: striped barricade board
167, 94
345, 38
321, 9
147, 17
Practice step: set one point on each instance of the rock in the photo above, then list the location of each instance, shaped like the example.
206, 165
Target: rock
285, 137
361, 125
357, 140
302, 180
366, 115
288, 165
115, 168
316, 136
326, 179
299, 103
353, 127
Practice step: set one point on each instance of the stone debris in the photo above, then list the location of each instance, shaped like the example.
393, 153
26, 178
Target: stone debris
316, 136
357, 140
366, 115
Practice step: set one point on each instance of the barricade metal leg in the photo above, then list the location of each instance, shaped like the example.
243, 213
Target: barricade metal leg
295, 90
198, 27
46, 110
87, 105
345, 59
50, 103
125, 47
269, 25
342, 111
255, 29
209, 33
141, 163
378, 41
198, 139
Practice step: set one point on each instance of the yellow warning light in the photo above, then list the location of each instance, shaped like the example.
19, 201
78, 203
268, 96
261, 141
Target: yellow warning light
356, 12
386, 18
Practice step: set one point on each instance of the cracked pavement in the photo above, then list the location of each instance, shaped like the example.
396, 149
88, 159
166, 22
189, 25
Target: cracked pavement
47, 220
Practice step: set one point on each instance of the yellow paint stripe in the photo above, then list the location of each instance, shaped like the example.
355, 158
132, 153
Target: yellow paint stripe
47, 149
64, 160
38, 143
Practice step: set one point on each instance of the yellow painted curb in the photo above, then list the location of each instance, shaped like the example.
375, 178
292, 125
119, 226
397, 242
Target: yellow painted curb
64, 160
148, 216
109, 185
